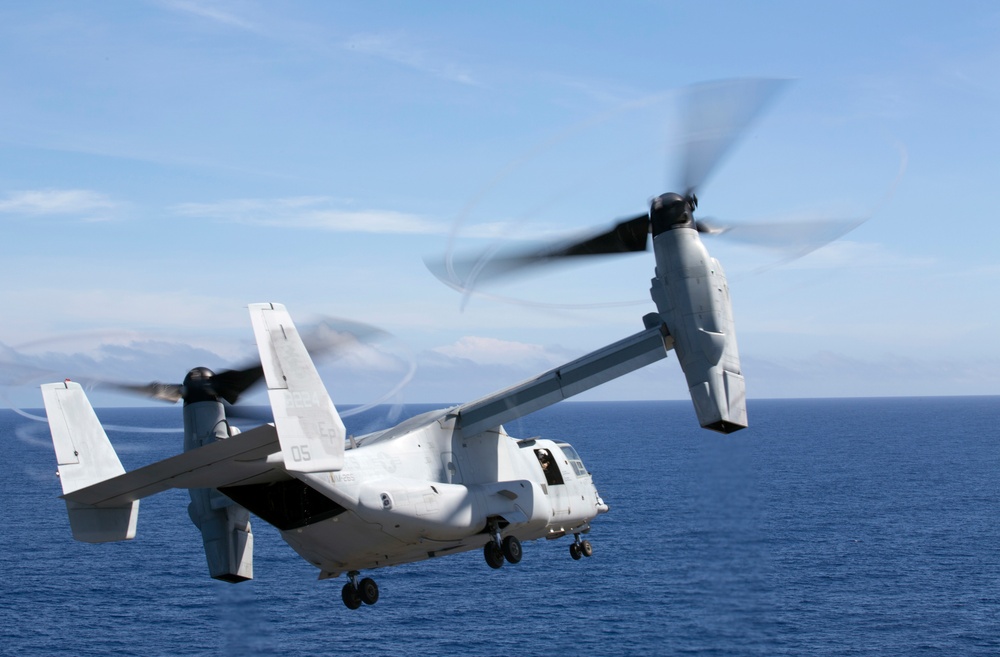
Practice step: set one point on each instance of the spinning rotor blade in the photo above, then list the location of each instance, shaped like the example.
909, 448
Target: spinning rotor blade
330, 337
200, 383
230, 384
326, 338
714, 116
793, 238
168, 392
627, 236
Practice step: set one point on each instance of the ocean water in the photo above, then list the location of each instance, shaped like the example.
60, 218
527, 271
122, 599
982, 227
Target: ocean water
830, 527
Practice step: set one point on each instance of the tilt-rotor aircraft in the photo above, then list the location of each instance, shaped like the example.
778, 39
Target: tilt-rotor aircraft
443, 482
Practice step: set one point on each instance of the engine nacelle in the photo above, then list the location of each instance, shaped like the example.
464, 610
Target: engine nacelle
224, 525
692, 297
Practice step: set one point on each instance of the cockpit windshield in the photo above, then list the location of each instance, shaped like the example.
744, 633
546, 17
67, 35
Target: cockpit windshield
574, 459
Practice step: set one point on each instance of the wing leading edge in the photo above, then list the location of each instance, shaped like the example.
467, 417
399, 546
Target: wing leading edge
577, 376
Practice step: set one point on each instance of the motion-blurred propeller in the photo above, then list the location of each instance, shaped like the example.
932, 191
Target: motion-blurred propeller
713, 118
327, 338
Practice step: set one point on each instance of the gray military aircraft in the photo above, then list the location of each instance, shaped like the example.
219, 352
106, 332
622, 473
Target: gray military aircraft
437, 484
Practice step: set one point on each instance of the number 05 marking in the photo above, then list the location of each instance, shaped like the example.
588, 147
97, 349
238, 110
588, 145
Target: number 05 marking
300, 453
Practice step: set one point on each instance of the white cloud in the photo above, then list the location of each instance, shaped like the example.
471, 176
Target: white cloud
113, 359
215, 323
492, 351
393, 49
353, 371
43, 202
847, 254
741, 260
211, 11
311, 212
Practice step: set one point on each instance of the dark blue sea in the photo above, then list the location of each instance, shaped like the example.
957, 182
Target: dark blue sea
829, 527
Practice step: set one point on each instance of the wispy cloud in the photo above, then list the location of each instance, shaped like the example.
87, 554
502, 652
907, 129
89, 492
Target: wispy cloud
211, 11
394, 48
171, 314
601, 91
850, 254
43, 202
311, 212
491, 351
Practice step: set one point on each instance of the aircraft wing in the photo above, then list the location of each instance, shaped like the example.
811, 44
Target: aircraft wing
241, 459
582, 374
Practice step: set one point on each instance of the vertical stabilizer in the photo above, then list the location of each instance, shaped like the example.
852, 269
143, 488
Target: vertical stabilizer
309, 428
85, 457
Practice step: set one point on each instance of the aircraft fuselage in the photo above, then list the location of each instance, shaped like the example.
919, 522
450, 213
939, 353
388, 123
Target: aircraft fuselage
424, 490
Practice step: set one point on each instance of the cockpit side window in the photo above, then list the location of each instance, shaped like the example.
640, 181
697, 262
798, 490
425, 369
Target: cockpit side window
549, 466
574, 460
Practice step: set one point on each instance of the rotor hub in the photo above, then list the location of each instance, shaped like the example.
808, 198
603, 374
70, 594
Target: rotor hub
671, 210
198, 386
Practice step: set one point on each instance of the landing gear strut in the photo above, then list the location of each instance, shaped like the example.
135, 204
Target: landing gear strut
580, 548
498, 550
357, 591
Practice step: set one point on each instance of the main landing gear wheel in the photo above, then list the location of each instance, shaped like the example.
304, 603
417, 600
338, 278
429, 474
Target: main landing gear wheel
511, 549
351, 596
357, 592
574, 551
368, 591
497, 550
493, 554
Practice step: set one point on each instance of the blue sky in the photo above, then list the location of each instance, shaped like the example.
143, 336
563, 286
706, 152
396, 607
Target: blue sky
165, 163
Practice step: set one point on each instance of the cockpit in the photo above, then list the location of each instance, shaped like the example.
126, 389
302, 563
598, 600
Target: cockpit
573, 457
550, 466
553, 477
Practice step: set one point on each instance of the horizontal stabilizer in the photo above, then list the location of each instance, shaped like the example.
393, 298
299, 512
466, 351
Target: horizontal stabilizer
235, 461
309, 428
578, 376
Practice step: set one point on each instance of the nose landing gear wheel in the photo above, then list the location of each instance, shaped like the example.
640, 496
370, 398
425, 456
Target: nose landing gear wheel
578, 548
357, 592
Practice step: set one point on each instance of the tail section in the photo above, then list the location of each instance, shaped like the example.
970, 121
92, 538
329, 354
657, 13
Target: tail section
309, 428
85, 457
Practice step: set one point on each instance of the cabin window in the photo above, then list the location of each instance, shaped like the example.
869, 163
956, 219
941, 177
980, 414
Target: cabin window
549, 467
574, 460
